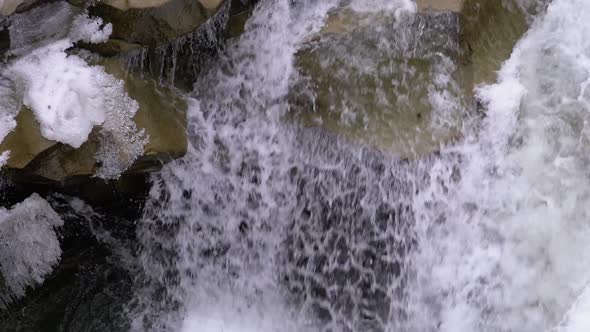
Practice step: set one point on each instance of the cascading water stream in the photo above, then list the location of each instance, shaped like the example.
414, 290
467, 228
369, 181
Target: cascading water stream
265, 226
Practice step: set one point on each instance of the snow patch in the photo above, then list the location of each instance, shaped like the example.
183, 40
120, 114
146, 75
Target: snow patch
29, 247
4, 156
62, 91
90, 30
67, 95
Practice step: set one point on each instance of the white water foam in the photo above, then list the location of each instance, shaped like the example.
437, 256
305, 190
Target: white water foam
511, 249
208, 199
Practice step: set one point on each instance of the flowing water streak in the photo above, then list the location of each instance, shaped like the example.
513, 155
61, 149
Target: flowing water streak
501, 232
231, 183
510, 249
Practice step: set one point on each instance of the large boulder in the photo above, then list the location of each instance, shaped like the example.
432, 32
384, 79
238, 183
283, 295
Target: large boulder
161, 114
403, 83
172, 42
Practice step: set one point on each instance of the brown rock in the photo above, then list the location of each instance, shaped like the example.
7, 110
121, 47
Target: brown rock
385, 96
161, 113
153, 27
25, 142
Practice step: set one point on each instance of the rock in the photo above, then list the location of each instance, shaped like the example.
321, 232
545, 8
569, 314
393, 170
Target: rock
385, 87
154, 23
172, 42
25, 142
126, 4
240, 12
7, 7
490, 30
381, 86
439, 5
161, 113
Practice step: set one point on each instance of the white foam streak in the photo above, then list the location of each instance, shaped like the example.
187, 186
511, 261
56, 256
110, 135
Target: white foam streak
578, 317
513, 250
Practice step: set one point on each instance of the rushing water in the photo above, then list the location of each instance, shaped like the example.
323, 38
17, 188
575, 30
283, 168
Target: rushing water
265, 226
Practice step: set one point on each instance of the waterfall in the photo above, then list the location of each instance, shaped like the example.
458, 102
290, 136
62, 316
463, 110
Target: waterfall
267, 226
510, 251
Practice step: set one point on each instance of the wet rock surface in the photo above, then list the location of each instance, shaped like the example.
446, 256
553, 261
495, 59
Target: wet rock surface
404, 92
153, 27
385, 88
90, 287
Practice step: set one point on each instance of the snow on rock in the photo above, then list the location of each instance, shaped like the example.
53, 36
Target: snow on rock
62, 91
90, 30
68, 96
4, 157
29, 247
